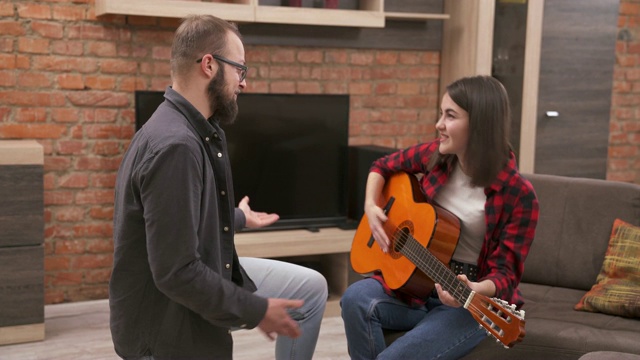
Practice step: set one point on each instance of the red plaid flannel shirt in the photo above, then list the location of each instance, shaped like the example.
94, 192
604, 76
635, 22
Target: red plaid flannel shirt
511, 215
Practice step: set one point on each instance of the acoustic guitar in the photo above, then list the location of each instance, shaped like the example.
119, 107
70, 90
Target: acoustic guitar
423, 238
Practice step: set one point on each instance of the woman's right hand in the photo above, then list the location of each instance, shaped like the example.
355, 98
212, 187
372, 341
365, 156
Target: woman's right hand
375, 214
377, 218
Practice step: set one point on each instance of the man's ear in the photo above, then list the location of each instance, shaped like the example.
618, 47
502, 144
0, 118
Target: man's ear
209, 66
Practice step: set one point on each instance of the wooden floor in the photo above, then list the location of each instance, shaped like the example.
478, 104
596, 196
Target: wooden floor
81, 331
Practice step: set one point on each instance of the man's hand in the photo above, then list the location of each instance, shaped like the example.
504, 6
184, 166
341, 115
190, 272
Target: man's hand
277, 320
256, 219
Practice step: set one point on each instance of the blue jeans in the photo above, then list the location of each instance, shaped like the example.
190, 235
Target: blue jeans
434, 331
277, 279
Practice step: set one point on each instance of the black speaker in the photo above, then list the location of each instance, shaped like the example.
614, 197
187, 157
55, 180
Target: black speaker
360, 159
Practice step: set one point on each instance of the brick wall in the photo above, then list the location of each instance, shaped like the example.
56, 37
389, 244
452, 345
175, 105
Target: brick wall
67, 80
624, 138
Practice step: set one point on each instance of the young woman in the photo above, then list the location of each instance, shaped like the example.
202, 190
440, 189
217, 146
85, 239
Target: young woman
471, 171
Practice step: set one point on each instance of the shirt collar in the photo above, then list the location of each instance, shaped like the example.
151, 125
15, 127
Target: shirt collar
202, 126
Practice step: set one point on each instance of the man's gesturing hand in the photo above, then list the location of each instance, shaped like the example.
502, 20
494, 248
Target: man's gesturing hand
277, 319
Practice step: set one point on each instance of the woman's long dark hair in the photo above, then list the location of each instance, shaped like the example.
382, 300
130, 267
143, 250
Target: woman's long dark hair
488, 148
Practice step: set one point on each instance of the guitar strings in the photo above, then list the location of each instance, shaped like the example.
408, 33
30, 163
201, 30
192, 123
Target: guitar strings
414, 251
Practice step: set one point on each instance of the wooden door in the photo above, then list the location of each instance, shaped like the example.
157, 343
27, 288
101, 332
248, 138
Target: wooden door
576, 75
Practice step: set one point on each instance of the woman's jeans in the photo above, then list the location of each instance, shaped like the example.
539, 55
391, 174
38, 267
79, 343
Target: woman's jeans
277, 279
434, 331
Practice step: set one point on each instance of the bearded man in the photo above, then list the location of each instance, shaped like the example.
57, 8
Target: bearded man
178, 287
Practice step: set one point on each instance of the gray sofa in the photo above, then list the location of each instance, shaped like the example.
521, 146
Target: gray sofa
576, 218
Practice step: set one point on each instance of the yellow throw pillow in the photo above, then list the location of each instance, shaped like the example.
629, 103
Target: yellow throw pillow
617, 288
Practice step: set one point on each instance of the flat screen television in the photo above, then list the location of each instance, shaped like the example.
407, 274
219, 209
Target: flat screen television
289, 154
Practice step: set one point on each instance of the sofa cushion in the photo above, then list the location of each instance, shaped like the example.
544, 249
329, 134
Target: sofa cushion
554, 330
617, 288
574, 227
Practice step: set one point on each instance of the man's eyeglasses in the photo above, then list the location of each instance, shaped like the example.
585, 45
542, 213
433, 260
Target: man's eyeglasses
243, 68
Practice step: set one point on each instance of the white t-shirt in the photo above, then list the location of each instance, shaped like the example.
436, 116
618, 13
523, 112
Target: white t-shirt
467, 203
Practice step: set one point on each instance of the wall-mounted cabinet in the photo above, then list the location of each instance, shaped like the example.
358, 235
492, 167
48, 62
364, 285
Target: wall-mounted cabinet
367, 13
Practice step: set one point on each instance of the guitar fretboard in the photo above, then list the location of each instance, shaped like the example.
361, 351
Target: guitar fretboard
408, 246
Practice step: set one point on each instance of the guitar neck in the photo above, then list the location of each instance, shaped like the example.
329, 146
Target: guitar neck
433, 267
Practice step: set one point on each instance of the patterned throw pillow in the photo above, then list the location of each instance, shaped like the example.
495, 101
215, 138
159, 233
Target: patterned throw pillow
617, 288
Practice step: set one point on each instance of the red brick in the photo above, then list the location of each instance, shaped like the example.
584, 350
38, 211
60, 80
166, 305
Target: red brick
31, 115
34, 11
386, 58
7, 61
336, 88
52, 263
101, 48
11, 28
74, 181
49, 30
360, 88
341, 73
154, 37
70, 81
410, 58
6, 9
308, 87
286, 56
7, 78
94, 197
97, 246
69, 246
385, 88
58, 197
161, 53
130, 84
161, 69
98, 98
69, 214
92, 261
282, 87
310, 56
6, 45
71, 12
101, 213
408, 88
49, 181
107, 148
65, 63
72, 48
98, 276
98, 163
34, 80
284, 72
64, 115
31, 131
628, 8
336, 56
361, 58
65, 278
56, 163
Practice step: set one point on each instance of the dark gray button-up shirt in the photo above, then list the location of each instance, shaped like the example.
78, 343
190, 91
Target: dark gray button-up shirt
177, 286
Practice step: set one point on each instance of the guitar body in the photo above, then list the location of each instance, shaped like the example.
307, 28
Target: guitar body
434, 228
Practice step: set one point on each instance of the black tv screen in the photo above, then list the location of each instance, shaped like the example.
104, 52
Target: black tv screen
289, 154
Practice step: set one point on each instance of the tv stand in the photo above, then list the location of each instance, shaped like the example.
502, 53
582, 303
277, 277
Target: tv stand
328, 247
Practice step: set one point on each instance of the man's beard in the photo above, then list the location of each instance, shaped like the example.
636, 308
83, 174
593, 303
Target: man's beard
223, 108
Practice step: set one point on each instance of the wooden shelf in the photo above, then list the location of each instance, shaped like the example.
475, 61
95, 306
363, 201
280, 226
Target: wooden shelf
370, 14
414, 16
267, 244
237, 12
315, 16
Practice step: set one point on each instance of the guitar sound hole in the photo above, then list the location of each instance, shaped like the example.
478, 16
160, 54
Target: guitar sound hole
402, 235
